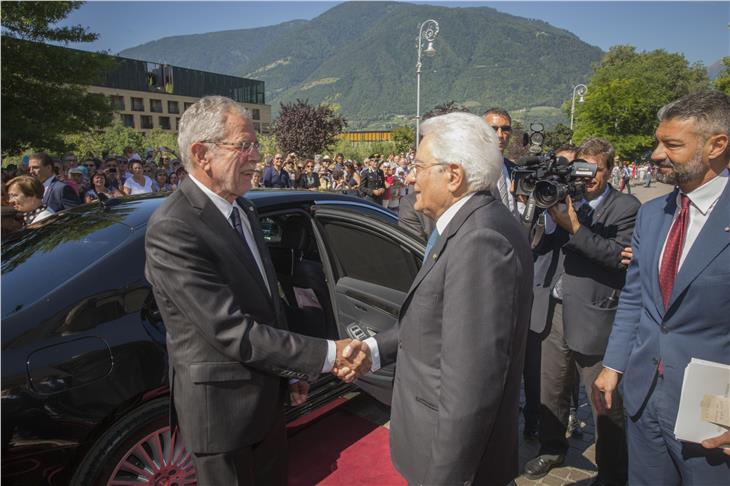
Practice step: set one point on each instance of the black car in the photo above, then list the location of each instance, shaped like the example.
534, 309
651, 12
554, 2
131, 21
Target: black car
84, 367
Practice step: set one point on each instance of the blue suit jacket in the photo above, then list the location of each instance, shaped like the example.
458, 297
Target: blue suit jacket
697, 321
60, 196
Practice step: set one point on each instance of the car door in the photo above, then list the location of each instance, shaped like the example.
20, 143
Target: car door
372, 264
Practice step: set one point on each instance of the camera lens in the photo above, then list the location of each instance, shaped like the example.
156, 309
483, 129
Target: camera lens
548, 193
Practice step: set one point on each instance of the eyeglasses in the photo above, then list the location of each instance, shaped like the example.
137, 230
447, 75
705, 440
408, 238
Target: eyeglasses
244, 147
309, 166
90, 165
422, 167
504, 128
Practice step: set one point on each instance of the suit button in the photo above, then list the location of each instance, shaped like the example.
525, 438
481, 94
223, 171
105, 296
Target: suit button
664, 329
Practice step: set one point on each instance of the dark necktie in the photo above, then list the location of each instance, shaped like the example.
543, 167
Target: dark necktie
584, 214
431, 243
235, 219
673, 251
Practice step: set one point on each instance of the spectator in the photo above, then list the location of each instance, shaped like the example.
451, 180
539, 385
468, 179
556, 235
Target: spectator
324, 179
124, 172
113, 175
161, 180
25, 194
91, 165
372, 181
391, 198
626, 178
256, 179
338, 181
352, 179
275, 176
57, 195
648, 174
138, 183
501, 122
339, 162
181, 174
100, 185
172, 180
308, 179
77, 181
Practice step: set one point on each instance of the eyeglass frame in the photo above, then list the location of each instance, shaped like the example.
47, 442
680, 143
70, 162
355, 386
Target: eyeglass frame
414, 168
243, 147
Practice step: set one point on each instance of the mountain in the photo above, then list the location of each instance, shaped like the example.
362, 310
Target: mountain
714, 69
361, 57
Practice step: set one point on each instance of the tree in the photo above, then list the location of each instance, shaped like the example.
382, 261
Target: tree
307, 129
556, 137
722, 81
625, 92
113, 140
404, 138
43, 96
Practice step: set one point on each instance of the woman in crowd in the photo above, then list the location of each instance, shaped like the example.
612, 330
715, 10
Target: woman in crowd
338, 181
161, 179
308, 179
138, 183
100, 185
256, 179
352, 178
25, 194
173, 181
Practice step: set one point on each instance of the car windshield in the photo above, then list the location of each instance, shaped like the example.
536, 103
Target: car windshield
36, 261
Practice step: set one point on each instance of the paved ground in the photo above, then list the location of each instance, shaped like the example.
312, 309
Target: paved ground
579, 468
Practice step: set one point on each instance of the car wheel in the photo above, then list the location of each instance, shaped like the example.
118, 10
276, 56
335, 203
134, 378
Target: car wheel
138, 449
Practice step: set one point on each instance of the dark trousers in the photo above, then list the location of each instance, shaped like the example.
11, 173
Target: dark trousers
658, 458
556, 386
263, 463
531, 377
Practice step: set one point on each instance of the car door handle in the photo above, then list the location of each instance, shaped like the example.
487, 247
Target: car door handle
360, 307
372, 301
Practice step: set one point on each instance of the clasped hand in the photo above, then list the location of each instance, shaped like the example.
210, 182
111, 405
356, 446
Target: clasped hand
352, 361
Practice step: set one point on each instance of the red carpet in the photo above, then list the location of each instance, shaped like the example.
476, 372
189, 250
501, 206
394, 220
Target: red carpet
341, 449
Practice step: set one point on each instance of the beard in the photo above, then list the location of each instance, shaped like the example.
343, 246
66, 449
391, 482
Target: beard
691, 171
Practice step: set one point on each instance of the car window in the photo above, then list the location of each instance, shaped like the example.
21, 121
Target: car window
39, 260
366, 255
271, 229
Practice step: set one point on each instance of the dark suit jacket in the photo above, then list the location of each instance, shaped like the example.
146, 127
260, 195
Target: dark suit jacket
271, 179
226, 337
60, 196
456, 395
592, 273
696, 324
412, 219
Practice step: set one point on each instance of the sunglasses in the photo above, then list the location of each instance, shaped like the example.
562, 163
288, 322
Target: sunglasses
90, 165
504, 128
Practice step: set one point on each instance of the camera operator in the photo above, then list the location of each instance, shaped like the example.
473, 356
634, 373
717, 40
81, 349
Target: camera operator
577, 310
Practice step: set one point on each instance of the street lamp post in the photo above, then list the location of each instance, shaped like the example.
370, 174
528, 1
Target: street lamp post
580, 90
430, 33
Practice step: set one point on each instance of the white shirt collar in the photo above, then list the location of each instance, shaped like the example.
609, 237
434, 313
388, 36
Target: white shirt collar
220, 202
594, 203
49, 181
708, 193
449, 214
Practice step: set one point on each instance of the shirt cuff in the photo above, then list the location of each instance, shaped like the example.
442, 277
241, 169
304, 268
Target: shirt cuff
329, 362
550, 225
293, 380
374, 353
612, 369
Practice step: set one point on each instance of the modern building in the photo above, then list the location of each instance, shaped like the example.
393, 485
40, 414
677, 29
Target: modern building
147, 95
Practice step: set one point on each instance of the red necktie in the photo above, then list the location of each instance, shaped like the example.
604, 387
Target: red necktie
673, 251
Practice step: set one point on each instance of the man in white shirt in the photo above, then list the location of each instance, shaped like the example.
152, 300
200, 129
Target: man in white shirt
676, 301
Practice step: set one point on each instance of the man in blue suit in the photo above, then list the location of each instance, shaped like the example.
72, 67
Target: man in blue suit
676, 301
57, 195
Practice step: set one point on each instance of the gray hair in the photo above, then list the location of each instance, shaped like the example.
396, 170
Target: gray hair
205, 120
466, 139
710, 109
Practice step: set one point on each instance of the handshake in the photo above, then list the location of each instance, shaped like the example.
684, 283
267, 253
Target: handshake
352, 361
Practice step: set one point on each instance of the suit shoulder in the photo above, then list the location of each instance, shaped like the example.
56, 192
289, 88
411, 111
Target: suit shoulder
175, 206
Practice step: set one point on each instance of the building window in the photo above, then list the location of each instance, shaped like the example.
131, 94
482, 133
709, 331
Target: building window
257, 126
172, 107
128, 121
117, 102
187, 105
164, 122
146, 121
156, 106
256, 114
177, 123
137, 104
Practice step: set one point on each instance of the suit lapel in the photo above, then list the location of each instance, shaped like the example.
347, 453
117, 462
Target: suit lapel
667, 217
214, 219
477, 200
713, 238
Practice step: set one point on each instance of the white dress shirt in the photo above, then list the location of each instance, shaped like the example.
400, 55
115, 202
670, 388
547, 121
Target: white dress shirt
441, 225
701, 203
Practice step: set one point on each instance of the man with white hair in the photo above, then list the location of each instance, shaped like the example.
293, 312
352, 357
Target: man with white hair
461, 337
230, 352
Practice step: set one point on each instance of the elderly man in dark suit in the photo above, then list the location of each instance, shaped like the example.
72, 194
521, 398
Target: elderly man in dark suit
583, 294
461, 337
212, 277
57, 195
676, 302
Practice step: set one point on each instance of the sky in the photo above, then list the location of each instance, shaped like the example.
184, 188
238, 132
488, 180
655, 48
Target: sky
699, 30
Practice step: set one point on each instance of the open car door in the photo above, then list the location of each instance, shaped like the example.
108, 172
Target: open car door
372, 264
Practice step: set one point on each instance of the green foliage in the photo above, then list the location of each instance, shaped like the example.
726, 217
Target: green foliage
404, 138
722, 81
625, 92
43, 96
362, 150
362, 55
113, 140
556, 137
307, 129
269, 145
157, 138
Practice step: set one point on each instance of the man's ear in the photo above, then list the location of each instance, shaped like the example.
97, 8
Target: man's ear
457, 178
199, 151
717, 145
